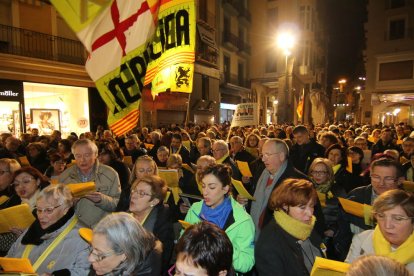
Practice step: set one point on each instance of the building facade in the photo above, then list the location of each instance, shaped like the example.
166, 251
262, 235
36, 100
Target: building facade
42, 77
302, 73
389, 65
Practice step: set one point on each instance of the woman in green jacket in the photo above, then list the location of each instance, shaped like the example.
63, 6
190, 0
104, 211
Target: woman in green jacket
219, 208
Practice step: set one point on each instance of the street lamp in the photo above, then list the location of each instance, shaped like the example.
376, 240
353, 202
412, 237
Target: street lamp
285, 41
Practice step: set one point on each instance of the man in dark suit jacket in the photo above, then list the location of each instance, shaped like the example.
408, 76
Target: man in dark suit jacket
177, 147
305, 150
385, 142
275, 154
385, 174
237, 151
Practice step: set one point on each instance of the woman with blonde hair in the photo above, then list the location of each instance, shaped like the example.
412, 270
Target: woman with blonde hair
377, 266
144, 166
393, 235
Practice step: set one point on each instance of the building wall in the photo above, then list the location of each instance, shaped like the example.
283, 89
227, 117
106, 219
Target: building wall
386, 45
306, 64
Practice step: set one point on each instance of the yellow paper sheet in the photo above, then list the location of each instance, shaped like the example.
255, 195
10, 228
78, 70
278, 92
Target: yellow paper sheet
17, 265
352, 207
325, 267
244, 168
322, 199
167, 196
399, 142
24, 161
3, 199
188, 168
408, 186
148, 146
127, 160
81, 189
368, 217
71, 163
86, 234
241, 189
184, 224
19, 216
54, 181
171, 178
349, 166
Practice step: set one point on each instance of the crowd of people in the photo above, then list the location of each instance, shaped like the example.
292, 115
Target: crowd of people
139, 225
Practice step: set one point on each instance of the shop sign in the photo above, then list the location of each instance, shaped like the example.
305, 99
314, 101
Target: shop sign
11, 91
83, 122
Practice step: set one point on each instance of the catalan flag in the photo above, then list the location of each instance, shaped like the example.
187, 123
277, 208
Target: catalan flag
299, 109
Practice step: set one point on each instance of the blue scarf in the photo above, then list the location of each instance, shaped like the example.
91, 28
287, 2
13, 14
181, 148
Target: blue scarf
218, 215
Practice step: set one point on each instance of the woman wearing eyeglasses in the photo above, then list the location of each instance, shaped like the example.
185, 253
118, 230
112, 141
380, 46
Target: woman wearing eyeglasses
219, 208
8, 198
146, 206
121, 246
320, 171
52, 243
144, 166
393, 236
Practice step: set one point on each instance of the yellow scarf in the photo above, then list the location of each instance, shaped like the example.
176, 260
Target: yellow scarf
404, 253
336, 168
220, 161
293, 226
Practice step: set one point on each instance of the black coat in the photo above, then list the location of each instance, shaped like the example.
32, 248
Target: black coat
279, 253
160, 224
244, 156
290, 172
302, 156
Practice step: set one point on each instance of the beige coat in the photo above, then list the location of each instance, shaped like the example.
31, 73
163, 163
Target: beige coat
107, 183
362, 244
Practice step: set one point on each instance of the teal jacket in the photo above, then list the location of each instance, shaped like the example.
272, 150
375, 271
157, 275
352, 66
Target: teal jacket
241, 234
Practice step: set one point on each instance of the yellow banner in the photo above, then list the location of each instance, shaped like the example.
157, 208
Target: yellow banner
131, 44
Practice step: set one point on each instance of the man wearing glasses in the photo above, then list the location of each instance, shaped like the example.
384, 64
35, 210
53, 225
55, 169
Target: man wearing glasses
221, 153
95, 205
275, 156
385, 176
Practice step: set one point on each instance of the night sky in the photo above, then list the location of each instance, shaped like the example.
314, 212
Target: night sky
344, 20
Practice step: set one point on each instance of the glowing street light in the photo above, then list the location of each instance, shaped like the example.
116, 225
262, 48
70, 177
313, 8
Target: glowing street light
286, 40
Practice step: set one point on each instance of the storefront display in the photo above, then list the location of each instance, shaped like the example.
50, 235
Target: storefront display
47, 107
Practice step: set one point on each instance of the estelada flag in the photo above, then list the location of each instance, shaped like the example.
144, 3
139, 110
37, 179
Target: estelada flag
132, 43
299, 109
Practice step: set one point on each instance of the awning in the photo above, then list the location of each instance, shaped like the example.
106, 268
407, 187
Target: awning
206, 36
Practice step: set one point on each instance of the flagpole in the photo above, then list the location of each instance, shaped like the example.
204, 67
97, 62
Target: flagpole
187, 116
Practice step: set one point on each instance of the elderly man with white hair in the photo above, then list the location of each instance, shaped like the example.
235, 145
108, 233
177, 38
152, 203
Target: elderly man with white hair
222, 155
95, 205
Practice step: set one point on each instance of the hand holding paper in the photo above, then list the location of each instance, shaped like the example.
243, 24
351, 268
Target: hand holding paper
241, 189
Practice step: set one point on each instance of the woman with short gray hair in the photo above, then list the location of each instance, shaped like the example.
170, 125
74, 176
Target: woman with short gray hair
56, 228
121, 246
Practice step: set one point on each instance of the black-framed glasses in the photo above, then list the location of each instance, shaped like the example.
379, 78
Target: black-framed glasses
319, 173
47, 210
388, 180
99, 257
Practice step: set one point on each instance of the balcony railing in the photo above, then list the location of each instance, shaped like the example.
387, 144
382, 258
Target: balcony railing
244, 13
243, 46
230, 38
22, 42
235, 79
